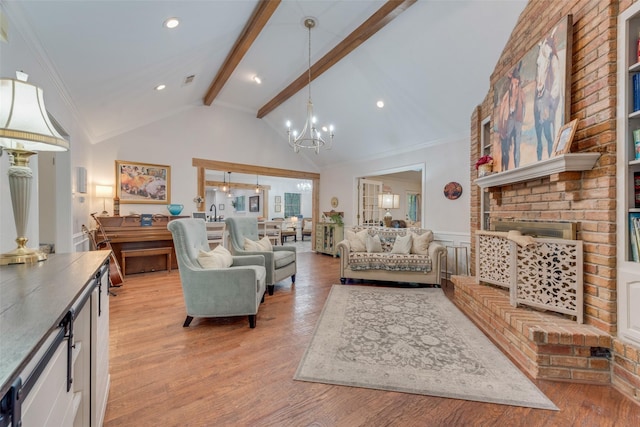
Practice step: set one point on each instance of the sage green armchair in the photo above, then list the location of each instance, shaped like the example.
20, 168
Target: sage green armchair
216, 292
280, 264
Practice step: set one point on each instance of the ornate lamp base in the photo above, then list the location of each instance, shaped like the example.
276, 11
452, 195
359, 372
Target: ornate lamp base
387, 219
22, 256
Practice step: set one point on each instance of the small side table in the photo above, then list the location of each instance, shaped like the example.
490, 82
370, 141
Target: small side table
458, 253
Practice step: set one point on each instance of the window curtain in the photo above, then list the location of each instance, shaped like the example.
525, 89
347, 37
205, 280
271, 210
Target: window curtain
413, 208
291, 204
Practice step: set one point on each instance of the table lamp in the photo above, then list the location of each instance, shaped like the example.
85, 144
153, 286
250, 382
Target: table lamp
388, 201
105, 192
25, 129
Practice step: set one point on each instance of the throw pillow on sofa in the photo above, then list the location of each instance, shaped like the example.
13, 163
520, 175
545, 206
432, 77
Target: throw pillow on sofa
262, 245
220, 257
402, 245
373, 244
420, 242
357, 241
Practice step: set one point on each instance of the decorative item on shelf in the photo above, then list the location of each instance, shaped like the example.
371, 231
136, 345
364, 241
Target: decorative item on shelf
309, 137
452, 190
104, 192
635, 80
388, 201
334, 216
25, 129
116, 206
636, 189
175, 209
636, 143
146, 220
484, 165
562, 145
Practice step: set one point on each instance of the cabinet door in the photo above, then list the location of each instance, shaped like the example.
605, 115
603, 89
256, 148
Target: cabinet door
629, 296
49, 403
100, 350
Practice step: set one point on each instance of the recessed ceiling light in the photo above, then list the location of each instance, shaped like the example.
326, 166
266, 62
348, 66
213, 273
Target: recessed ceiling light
257, 79
171, 23
380, 104
160, 87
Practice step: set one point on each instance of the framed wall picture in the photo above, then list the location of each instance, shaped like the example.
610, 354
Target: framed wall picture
565, 138
239, 204
278, 200
254, 203
221, 207
532, 101
143, 183
278, 207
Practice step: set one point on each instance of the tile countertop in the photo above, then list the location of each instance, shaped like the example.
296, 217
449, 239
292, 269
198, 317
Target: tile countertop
34, 298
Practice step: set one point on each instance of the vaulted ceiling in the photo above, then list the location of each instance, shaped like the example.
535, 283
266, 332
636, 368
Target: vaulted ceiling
428, 60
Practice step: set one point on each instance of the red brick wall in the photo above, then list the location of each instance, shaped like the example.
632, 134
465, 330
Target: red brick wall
588, 198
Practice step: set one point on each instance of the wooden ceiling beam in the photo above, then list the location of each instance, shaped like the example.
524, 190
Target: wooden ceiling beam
261, 15
387, 13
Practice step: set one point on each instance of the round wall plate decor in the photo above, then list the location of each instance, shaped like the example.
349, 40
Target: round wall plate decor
452, 190
334, 202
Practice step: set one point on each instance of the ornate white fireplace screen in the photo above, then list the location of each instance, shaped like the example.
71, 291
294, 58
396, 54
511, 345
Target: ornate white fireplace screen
545, 275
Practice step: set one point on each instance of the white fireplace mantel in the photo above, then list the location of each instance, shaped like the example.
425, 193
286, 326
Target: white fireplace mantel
564, 163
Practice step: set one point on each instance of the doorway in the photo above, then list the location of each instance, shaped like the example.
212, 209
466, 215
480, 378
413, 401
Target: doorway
406, 182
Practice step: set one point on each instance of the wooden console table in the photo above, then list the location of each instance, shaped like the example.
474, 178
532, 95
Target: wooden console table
126, 234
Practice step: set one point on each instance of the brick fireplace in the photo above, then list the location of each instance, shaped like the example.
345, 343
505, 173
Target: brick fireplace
545, 345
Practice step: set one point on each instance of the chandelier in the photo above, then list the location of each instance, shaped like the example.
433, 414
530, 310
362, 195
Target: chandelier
304, 186
309, 137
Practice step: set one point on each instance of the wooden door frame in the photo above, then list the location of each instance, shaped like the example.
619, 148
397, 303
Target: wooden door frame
203, 165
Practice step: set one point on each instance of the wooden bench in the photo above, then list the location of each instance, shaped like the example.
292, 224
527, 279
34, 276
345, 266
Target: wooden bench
145, 252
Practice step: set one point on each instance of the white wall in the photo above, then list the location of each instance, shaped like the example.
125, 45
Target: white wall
443, 163
213, 133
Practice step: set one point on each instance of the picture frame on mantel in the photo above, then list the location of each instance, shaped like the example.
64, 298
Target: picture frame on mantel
144, 183
531, 103
565, 138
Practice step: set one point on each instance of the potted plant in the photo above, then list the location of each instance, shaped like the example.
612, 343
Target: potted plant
484, 165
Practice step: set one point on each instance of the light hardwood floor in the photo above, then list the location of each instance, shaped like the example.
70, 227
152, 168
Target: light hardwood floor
219, 372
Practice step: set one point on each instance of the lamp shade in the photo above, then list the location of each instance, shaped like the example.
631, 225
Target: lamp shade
105, 191
389, 201
24, 123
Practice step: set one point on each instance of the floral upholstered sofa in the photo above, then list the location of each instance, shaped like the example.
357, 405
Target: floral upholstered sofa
391, 254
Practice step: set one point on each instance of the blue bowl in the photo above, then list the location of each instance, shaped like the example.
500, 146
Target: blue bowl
175, 209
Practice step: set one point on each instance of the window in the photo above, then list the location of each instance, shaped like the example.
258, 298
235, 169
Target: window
291, 204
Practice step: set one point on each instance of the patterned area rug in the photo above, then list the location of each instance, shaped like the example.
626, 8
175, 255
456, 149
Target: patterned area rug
412, 341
